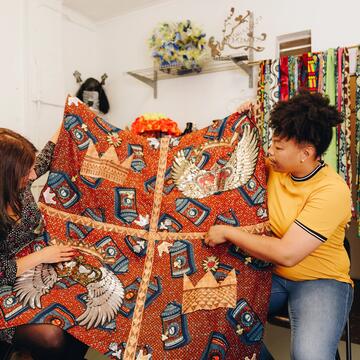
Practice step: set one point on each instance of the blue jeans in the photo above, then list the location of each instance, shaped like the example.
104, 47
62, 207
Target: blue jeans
318, 310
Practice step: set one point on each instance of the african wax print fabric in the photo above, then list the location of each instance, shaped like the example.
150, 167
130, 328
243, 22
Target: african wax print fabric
143, 285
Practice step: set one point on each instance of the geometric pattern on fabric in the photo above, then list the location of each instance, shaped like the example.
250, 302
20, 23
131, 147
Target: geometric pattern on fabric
143, 238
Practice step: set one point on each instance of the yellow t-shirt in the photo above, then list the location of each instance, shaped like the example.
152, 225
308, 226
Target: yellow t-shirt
320, 203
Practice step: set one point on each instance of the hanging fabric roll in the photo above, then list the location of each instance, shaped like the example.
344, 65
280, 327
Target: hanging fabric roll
340, 133
312, 68
320, 83
330, 155
259, 116
267, 106
293, 80
345, 127
303, 71
357, 148
284, 78
274, 90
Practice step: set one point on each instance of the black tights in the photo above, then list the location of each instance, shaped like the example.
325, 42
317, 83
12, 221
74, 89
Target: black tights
46, 341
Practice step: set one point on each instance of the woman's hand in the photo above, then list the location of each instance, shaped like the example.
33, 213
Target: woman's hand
47, 255
245, 106
56, 253
216, 235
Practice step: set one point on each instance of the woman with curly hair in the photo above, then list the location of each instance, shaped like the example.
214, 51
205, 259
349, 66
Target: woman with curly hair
309, 208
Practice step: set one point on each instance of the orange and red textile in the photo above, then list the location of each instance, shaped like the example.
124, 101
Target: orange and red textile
143, 284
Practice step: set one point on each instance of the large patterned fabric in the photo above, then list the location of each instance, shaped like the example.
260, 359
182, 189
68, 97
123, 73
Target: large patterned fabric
143, 285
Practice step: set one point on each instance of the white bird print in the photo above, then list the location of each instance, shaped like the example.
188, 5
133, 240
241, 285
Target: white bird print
198, 183
105, 291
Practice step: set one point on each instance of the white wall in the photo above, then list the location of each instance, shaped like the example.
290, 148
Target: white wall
11, 65
80, 49
61, 42
123, 44
42, 43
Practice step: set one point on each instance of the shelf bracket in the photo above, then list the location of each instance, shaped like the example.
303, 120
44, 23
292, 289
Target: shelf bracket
148, 81
248, 69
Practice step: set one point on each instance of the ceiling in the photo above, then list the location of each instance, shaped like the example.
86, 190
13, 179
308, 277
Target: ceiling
102, 10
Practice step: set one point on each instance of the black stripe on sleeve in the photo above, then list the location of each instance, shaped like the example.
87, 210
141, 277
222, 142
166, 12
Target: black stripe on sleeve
310, 231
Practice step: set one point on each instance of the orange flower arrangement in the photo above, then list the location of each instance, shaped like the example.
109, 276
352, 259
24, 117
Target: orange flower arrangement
155, 123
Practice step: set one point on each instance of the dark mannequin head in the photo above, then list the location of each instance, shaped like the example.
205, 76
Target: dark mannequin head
92, 94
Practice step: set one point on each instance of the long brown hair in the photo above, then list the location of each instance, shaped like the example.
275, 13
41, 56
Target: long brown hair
17, 156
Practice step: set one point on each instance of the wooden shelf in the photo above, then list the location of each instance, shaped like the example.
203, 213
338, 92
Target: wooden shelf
151, 76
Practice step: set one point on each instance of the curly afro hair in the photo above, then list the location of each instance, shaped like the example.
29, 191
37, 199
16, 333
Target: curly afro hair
306, 118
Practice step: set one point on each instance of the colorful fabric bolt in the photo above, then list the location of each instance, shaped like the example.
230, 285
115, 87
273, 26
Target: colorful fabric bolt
284, 78
357, 139
312, 66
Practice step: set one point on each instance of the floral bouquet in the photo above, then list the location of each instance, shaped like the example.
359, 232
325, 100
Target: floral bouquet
154, 124
179, 46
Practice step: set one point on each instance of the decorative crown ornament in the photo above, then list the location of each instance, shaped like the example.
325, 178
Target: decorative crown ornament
107, 166
209, 294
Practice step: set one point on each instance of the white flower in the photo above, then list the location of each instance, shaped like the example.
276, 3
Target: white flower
155, 143
143, 220
49, 196
117, 354
141, 356
140, 245
174, 141
162, 226
164, 247
113, 346
73, 100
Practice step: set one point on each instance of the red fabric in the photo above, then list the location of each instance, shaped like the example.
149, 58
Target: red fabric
303, 71
284, 78
200, 332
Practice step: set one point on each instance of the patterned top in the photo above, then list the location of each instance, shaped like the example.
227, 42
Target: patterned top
24, 231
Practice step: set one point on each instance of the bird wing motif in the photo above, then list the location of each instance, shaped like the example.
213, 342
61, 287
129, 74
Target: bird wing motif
183, 172
104, 300
243, 159
198, 183
34, 283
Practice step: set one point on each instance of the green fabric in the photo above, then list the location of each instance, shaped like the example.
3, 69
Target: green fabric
330, 91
